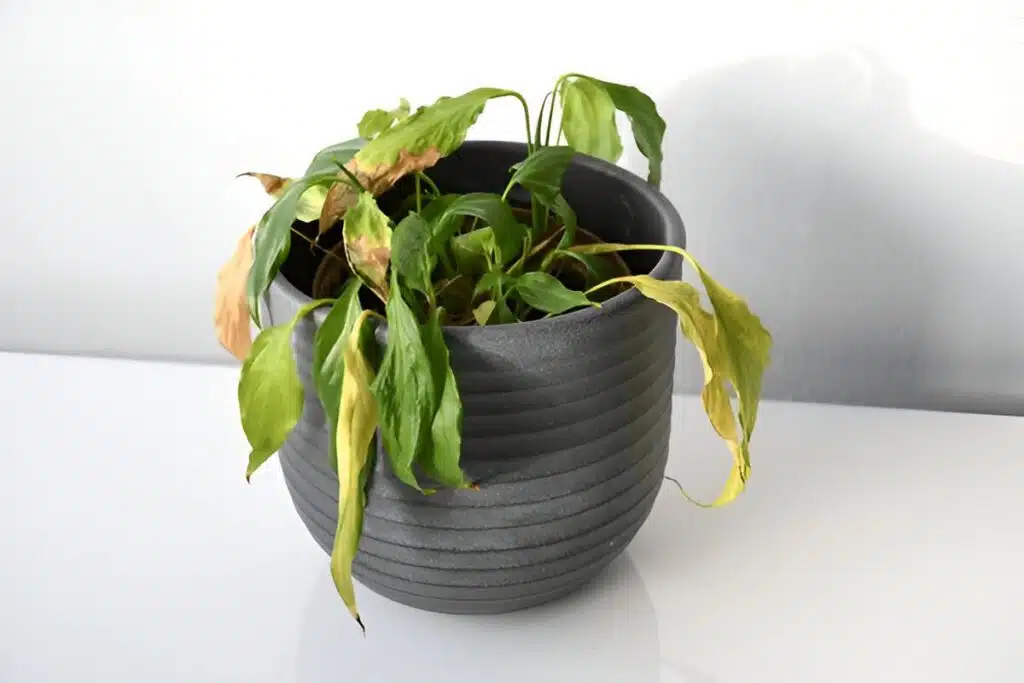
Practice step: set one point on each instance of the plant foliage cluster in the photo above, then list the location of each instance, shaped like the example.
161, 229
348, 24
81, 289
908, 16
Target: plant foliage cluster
452, 259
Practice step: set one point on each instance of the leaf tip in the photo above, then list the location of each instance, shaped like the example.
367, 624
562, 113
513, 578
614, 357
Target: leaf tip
360, 622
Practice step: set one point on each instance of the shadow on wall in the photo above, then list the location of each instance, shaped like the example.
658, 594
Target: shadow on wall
883, 258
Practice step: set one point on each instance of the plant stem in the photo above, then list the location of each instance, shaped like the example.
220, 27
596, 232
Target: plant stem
551, 113
419, 200
540, 120
351, 176
429, 181
312, 243
526, 112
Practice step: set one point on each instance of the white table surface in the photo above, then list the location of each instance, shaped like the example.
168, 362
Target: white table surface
872, 545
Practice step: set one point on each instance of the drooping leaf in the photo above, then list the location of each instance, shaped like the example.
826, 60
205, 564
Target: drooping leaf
310, 203
329, 346
367, 236
404, 388
357, 421
270, 394
482, 313
231, 310
648, 126
428, 134
508, 233
541, 172
545, 293
588, 119
376, 121
440, 461
329, 158
273, 238
411, 254
734, 346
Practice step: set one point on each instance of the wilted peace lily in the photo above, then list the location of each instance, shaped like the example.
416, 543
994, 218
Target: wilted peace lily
453, 259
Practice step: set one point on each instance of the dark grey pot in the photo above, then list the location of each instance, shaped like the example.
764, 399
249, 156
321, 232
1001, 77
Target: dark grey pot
566, 422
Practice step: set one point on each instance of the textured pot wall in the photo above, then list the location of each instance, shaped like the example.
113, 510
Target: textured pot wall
566, 427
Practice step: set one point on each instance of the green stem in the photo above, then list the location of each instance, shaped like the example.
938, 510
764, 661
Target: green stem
540, 120
526, 112
351, 176
429, 181
419, 199
551, 111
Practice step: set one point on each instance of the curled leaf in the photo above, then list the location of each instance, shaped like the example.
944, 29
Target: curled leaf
357, 422
273, 184
735, 350
367, 236
310, 203
231, 308
376, 121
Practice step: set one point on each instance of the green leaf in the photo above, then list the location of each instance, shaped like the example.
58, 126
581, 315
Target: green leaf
648, 126
404, 388
357, 422
493, 281
367, 235
541, 172
434, 131
545, 293
735, 349
270, 394
411, 255
471, 249
438, 206
440, 462
376, 121
329, 356
273, 238
508, 233
482, 313
331, 157
588, 119
562, 209
310, 203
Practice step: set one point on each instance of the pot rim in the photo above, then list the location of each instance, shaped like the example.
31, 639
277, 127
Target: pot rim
672, 223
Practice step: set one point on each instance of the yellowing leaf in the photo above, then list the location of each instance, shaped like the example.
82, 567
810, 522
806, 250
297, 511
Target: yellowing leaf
376, 121
357, 423
231, 307
588, 119
270, 394
367, 236
734, 346
482, 313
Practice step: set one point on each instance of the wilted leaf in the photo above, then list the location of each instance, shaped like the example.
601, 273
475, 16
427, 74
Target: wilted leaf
367, 236
648, 126
545, 293
482, 313
376, 121
231, 311
357, 421
588, 119
273, 237
270, 395
411, 254
310, 203
440, 461
404, 388
508, 233
430, 133
330, 157
541, 172
329, 346
734, 346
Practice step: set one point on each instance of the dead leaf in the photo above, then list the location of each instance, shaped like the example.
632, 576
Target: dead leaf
273, 184
231, 310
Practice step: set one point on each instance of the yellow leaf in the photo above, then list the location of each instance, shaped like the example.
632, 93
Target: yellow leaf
357, 424
231, 309
734, 350
367, 236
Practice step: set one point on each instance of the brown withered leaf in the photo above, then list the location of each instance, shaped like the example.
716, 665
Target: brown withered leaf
273, 184
231, 310
377, 180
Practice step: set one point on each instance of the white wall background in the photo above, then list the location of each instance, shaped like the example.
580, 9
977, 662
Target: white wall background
854, 167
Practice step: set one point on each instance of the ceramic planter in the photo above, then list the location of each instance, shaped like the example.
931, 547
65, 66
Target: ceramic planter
566, 422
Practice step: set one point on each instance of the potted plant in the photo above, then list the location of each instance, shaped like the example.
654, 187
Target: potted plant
503, 316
